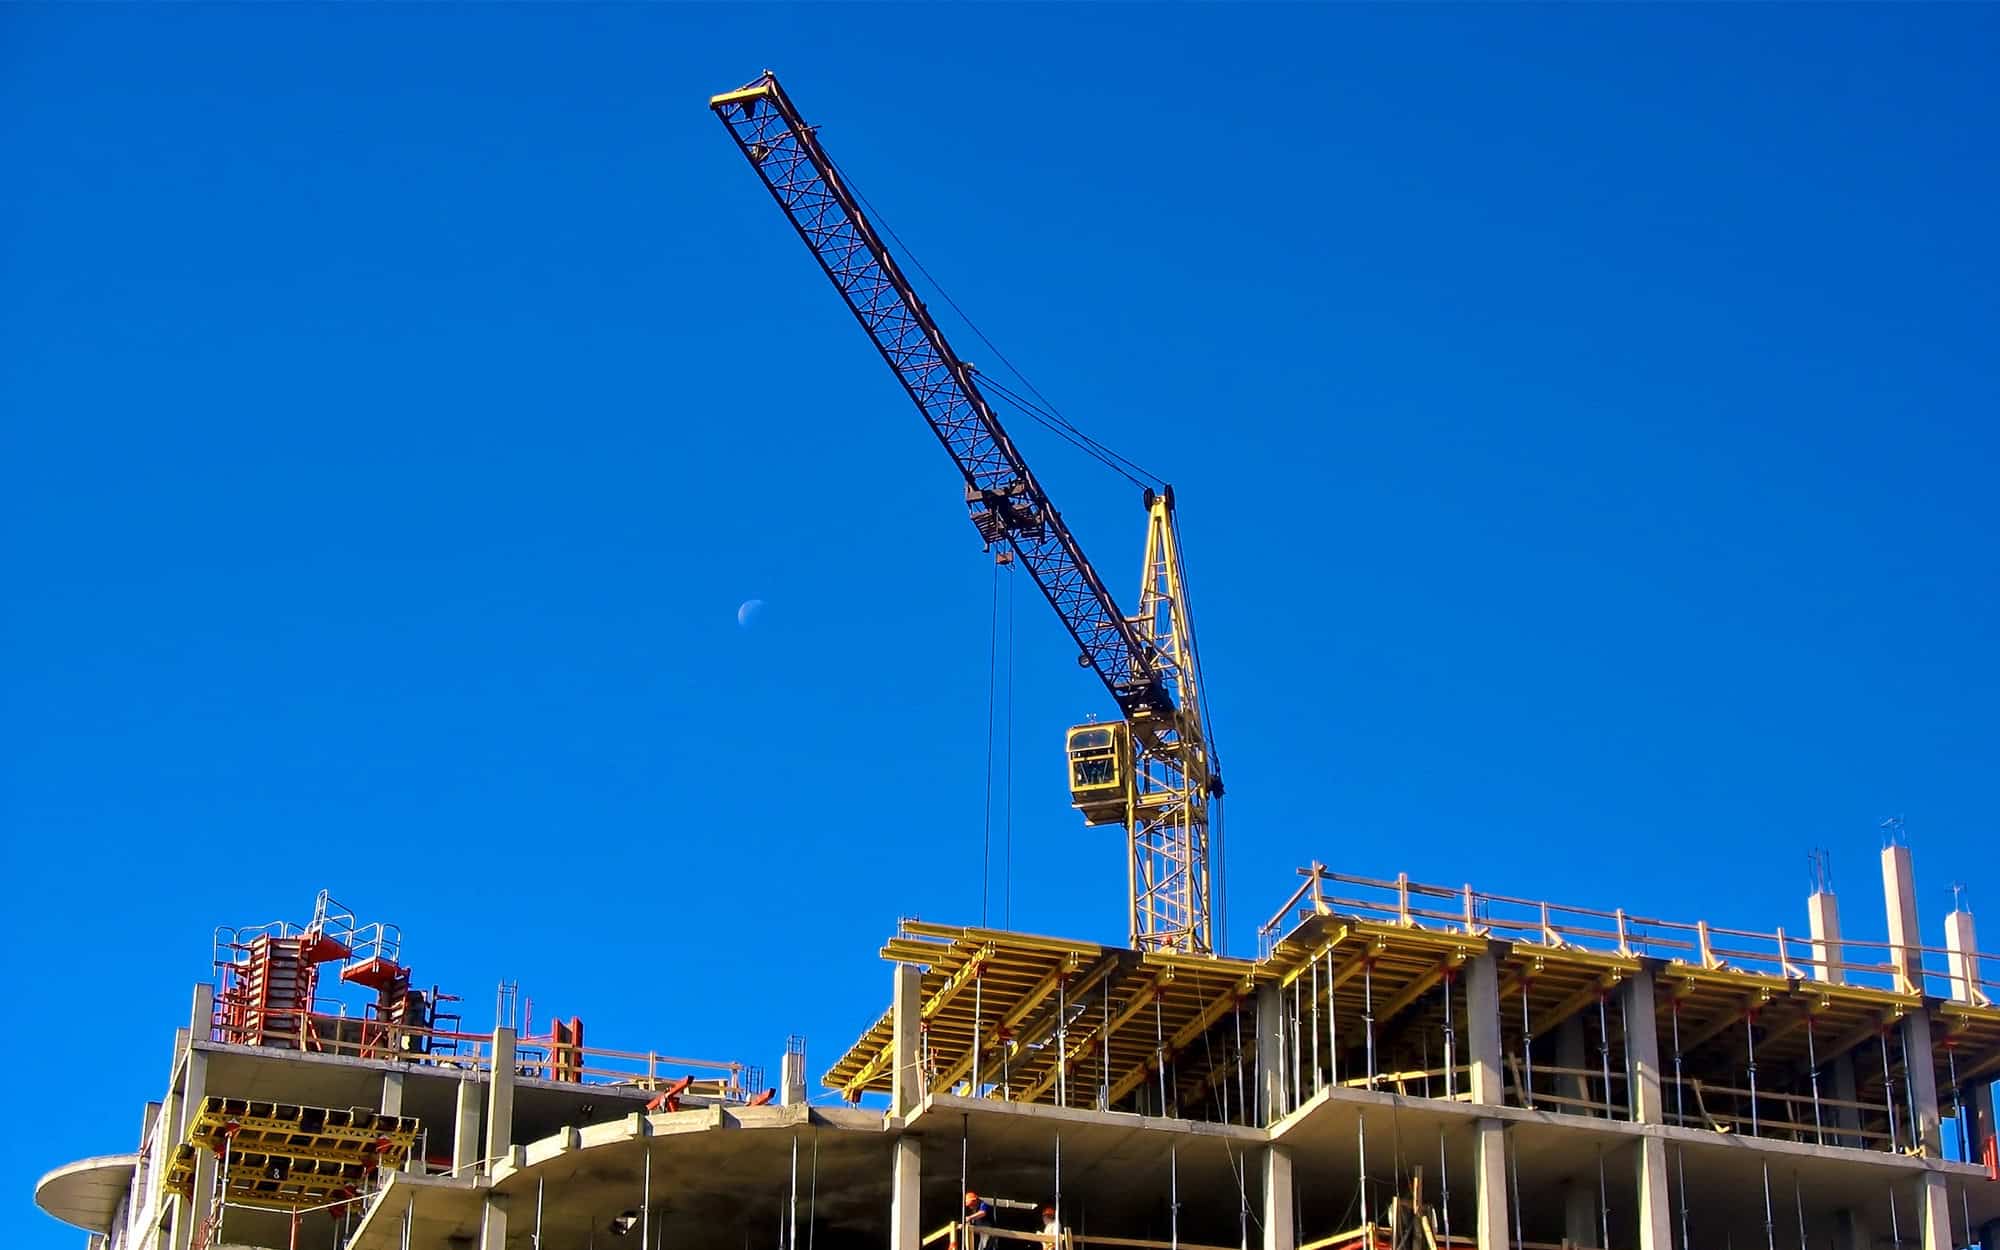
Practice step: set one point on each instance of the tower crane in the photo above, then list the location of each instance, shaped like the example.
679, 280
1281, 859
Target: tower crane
1153, 770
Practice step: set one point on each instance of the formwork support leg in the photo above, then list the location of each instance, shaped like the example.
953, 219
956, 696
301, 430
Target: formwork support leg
1280, 1225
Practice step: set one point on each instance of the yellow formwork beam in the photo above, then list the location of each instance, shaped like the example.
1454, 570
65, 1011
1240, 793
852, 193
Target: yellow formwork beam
1418, 988
1139, 1002
1013, 1017
1186, 1034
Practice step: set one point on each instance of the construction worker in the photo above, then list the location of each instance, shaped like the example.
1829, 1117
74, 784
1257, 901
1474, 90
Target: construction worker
978, 1218
1050, 1228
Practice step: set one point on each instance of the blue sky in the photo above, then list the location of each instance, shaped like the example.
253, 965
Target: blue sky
1582, 419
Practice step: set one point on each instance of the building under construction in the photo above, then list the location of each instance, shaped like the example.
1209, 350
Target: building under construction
1401, 1066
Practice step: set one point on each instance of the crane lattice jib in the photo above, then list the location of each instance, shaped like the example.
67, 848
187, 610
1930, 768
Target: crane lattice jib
1006, 500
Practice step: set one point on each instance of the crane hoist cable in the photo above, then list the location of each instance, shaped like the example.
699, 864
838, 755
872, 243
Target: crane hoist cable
1046, 412
1152, 771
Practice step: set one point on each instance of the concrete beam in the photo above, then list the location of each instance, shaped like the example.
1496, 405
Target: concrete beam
500, 1097
906, 1230
1280, 1221
1490, 1159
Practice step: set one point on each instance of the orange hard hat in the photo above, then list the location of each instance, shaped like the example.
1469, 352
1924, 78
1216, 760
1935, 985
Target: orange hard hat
970, 1197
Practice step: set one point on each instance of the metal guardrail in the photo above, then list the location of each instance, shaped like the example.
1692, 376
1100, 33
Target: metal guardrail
1539, 922
534, 1058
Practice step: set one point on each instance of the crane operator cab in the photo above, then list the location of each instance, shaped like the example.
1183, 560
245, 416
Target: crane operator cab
1100, 772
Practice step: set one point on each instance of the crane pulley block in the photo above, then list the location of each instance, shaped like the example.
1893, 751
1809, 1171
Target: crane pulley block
1008, 511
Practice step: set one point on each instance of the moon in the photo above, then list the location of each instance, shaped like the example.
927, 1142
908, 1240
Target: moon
747, 614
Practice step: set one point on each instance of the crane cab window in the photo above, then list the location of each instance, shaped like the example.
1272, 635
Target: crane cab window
1099, 761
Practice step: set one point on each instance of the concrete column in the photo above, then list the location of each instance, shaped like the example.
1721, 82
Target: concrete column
1960, 945
392, 1093
792, 1075
1280, 1222
1933, 1212
1642, 1049
465, 1130
1656, 1220
906, 1083
142, 1176
1848, 1118
1850, 1231
201, 1014
1823, 911
163, 1148
182, 1055
392, 1104
193, 1210
1572, 1052
493, 1227
500, 1097
1270, 1053
1482, 1027
194, 1088
906, 1231
1899, 896
1979, 1099
1490, 1159
1916, 1029
1580, 1212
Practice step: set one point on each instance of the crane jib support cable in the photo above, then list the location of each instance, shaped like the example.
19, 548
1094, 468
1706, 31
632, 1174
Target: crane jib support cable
1005, 499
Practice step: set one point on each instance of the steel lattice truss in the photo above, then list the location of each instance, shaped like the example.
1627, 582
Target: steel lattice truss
1006, 501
